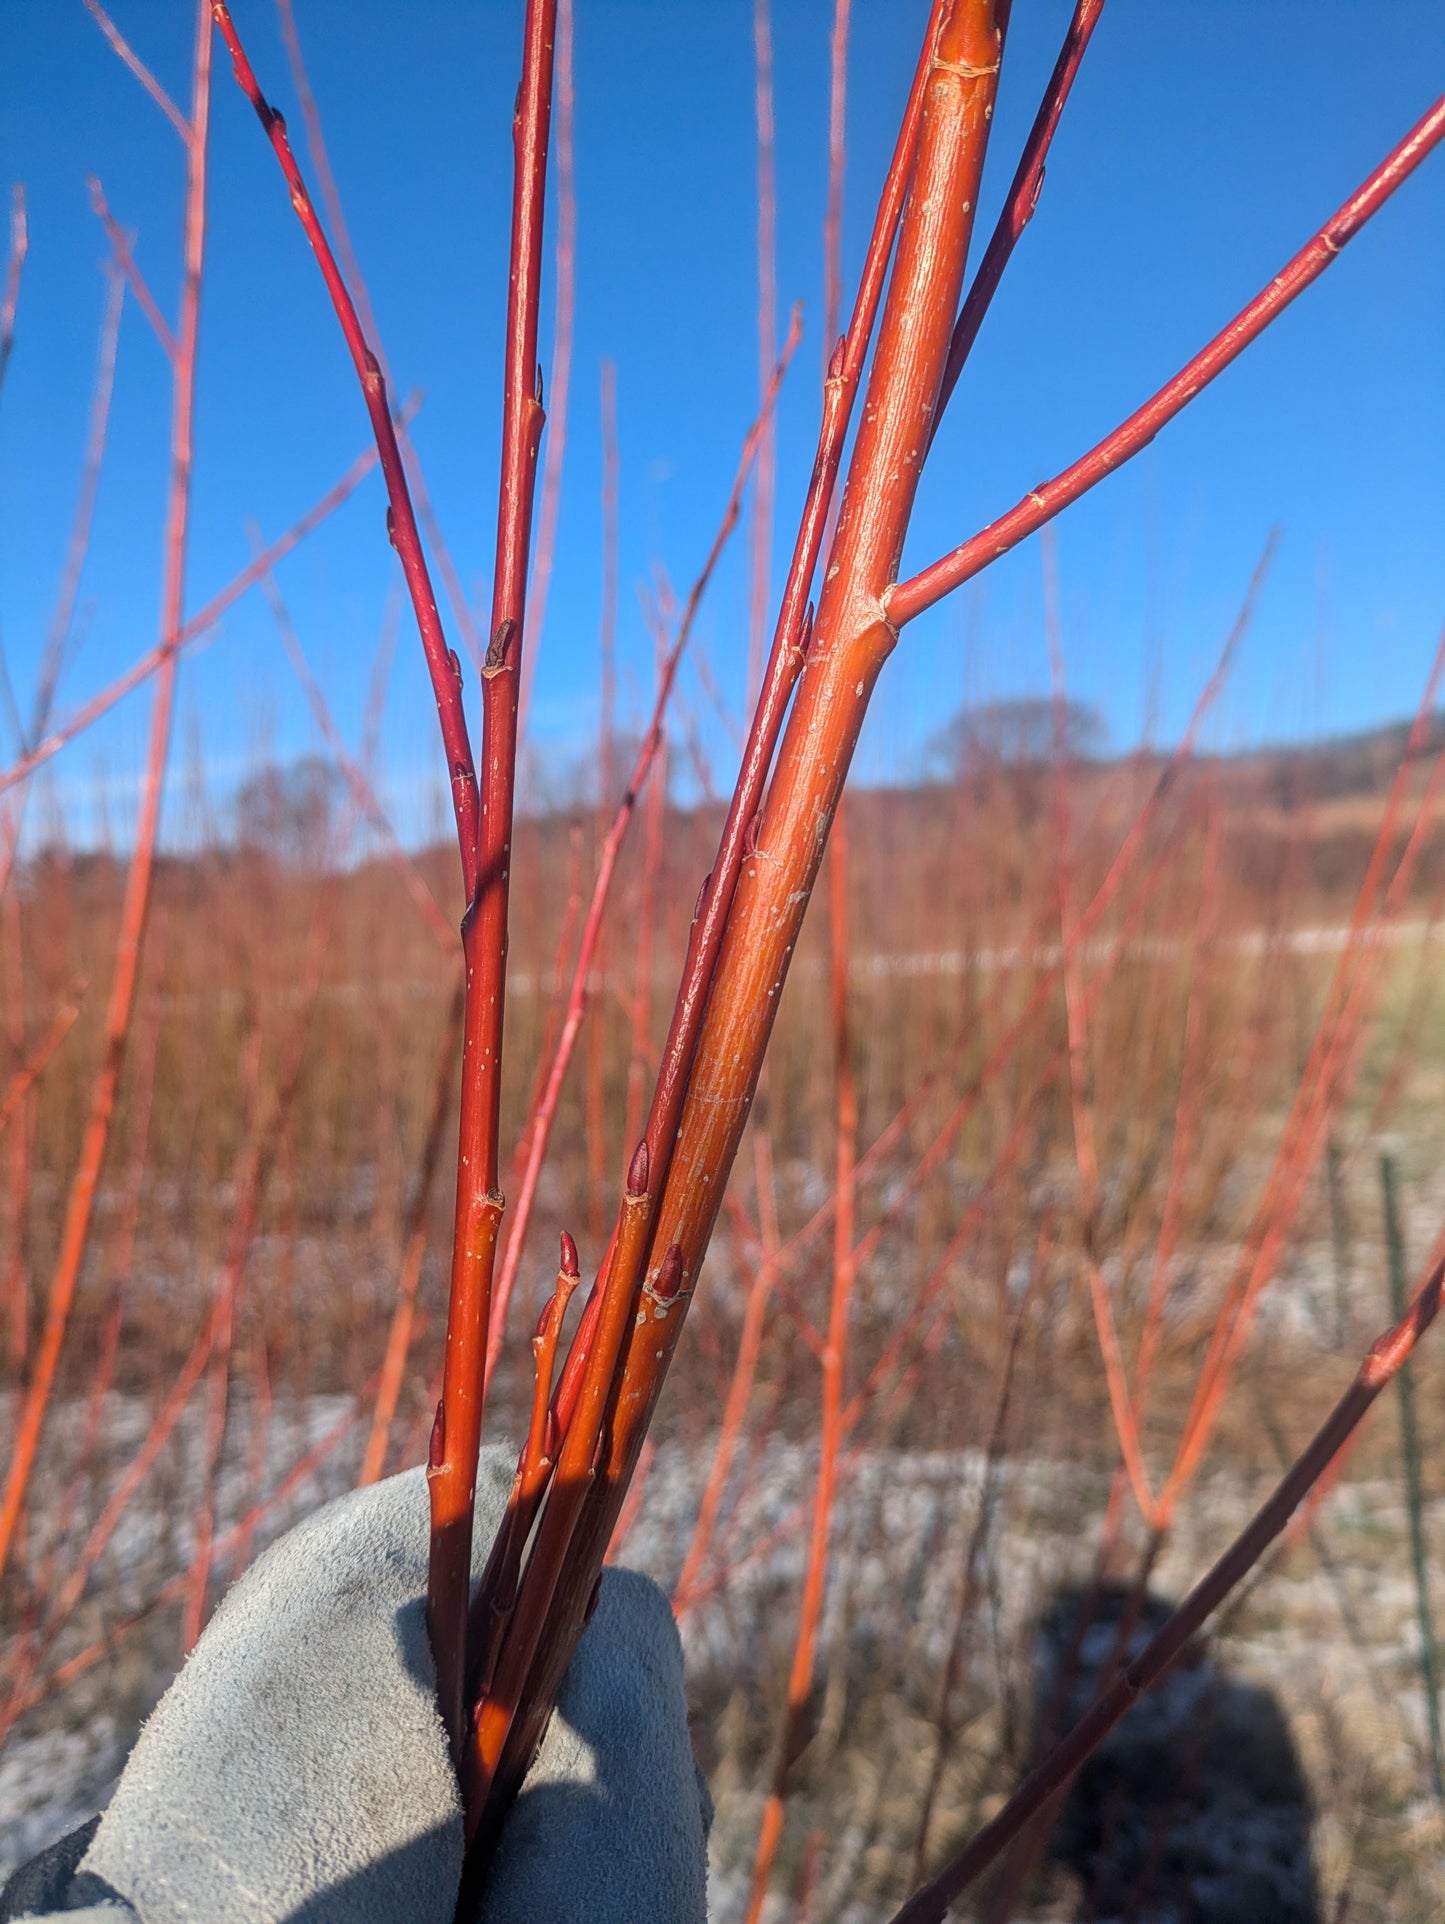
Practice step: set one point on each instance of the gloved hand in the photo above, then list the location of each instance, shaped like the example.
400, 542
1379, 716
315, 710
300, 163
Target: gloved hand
297, 1768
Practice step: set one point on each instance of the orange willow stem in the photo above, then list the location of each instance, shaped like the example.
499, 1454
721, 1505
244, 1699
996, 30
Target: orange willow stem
1023, 196
456, 1437
14, 268
198, 625
790, 637
835, 1355
76, 1230
704, 1093
1041, 504
539, 1132
506, 1671
1383, 1360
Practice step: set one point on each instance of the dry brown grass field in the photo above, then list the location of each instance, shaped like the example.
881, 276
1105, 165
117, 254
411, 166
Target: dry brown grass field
291, 1012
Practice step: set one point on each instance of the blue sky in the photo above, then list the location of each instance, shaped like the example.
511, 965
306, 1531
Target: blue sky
1205, 141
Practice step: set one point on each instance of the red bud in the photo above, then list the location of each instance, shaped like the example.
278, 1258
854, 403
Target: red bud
638, 1170
669, 1277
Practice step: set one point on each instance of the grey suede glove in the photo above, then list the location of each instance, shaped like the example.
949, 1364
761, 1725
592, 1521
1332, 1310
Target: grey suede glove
297, 1768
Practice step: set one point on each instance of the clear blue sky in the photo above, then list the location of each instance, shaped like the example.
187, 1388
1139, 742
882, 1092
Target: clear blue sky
1206, 139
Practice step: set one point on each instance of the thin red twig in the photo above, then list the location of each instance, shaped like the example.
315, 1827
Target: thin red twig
442, 664
559, 376
351, 270
1041, 504
192, 630
1022, 197
456, 1437
141, 71
14, 268
33, 1068
58, 633
761, 533
120, 243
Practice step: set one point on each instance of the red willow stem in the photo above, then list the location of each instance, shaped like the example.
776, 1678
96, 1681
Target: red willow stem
837, 171
456, 1435
142, 72
192, 630
351, 269
14, 268
15, 1273
1022, 197
78, 547
414, 1240
654, 831
701, 1105
539, 1131
135, 907
765, 483
126, 262
594, 1119
33, 1068
442, 664
559, 375
909, 598
1381, 1363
